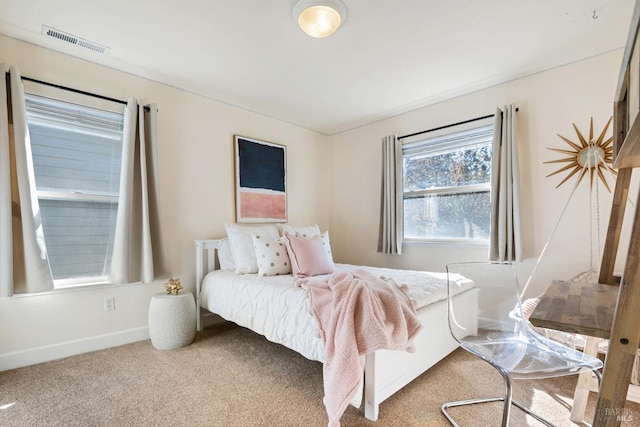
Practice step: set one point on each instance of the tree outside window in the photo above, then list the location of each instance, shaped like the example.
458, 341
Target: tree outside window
446, 182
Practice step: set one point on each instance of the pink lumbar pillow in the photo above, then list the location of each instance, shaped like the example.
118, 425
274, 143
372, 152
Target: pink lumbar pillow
308, 256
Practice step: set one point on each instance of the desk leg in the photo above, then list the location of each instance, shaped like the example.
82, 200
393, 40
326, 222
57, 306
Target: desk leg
581, 395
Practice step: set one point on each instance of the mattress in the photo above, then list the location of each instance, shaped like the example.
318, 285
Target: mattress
278, 310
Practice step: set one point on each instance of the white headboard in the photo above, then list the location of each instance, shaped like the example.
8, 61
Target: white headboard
206, 251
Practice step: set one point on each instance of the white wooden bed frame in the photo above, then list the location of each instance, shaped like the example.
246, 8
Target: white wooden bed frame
385, 371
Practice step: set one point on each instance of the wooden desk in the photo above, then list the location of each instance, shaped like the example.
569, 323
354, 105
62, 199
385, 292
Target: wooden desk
577, 307
582, 308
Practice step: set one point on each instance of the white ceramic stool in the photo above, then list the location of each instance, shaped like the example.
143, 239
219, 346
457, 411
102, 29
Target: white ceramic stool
172, 320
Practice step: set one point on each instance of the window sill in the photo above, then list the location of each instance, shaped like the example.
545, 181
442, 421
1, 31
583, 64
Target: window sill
446, 242
80, 287
80, 282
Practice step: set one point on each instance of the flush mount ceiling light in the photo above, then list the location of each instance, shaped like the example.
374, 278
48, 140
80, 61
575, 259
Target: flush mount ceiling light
319, 18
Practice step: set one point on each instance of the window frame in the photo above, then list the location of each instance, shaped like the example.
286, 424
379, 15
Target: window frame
439, 144
57, 96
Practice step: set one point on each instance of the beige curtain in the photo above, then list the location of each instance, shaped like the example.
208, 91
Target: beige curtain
24, 265
138, 253
506, 238
391, 230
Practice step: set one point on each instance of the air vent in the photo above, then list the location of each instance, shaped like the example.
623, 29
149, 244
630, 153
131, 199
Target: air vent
71, 39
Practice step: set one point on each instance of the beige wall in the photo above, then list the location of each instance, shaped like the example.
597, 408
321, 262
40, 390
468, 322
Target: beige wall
549, 103
197, 197
333, 181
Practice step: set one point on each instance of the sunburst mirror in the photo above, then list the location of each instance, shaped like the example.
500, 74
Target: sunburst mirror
592, 156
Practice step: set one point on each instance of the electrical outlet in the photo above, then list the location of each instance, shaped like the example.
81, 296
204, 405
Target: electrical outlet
109, 304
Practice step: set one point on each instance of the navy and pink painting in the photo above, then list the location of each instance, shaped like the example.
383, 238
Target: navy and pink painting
261, 181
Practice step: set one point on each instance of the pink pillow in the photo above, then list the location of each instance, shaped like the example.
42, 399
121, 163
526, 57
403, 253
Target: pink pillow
308, 256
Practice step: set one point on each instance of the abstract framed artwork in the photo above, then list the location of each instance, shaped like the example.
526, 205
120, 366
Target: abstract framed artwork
261, 178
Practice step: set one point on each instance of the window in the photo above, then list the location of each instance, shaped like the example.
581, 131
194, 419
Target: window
446, 187
76, 155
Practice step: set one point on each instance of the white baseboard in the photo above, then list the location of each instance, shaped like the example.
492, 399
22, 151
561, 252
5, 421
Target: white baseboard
56, 351
33, 356
634, 393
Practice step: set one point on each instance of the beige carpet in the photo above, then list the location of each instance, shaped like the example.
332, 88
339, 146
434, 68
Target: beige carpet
232, 377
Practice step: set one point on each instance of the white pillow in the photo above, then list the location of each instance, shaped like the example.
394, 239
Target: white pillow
271, 255
240, 240
225, 257
327, 247
306, 231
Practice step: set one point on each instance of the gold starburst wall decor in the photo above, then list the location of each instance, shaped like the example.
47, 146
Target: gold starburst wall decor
592, 156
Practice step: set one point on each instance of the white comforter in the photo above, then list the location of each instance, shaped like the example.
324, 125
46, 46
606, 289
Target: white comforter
274, 307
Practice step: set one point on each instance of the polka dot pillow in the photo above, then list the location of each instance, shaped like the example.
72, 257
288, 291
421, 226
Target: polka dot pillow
271, 255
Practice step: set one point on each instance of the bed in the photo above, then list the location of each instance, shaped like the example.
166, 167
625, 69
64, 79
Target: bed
251, 301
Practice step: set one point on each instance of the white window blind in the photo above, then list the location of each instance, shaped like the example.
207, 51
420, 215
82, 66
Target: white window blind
76, 155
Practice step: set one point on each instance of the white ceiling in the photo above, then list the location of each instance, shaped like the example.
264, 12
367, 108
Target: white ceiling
389, 57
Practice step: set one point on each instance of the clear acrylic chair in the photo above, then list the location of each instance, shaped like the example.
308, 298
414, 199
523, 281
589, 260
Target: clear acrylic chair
499, 334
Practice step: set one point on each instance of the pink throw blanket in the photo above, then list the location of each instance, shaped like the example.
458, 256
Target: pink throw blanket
358, 313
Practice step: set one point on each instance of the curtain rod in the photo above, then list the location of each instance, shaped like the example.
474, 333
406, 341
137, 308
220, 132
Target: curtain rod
81, 92
70, 89
449, 125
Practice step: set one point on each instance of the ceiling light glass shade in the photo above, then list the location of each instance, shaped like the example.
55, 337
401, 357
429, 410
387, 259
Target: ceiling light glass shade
319, 18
